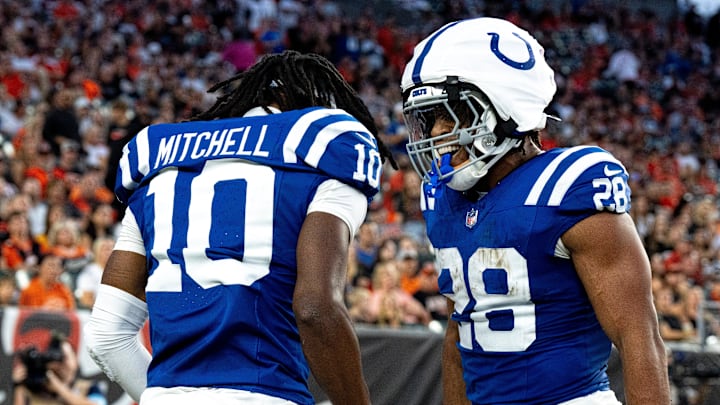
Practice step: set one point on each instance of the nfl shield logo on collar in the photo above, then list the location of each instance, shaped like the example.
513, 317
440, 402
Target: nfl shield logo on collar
471, 218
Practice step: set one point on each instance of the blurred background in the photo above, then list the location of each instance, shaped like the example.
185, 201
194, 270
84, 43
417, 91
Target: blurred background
78, 78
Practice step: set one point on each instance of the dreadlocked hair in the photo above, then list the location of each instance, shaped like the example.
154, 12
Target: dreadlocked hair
292, 81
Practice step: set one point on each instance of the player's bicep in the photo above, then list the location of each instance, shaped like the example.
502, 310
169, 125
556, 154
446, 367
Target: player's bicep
335, 214
126, 271
126, 268
615, 271
322, 253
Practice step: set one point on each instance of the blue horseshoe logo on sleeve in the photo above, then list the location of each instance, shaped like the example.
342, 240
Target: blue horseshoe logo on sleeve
494, 47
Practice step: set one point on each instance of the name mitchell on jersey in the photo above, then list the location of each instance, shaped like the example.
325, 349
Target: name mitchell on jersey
225, 142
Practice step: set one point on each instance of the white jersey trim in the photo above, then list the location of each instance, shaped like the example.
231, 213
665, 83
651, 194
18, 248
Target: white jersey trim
596, 398
344, 201
568, 177
539, 185
573, 172
206, 395
129, 237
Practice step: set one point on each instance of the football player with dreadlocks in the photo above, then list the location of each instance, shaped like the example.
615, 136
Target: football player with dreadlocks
234, 244
540, 261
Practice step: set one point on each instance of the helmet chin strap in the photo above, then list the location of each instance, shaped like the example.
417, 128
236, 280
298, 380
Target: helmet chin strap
466, 178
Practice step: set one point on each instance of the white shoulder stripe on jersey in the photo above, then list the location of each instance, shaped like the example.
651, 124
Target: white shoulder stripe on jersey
141, 141
574, 171
127, 180
542, 180
143, 150
296, 133
327, 134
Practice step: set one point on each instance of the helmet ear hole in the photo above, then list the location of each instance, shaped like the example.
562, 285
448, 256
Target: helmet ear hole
487, 144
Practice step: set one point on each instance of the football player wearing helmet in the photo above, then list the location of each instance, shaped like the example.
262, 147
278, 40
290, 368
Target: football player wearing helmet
234, 244
540, 262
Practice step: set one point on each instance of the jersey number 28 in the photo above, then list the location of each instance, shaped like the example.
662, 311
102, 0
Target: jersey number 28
495, 290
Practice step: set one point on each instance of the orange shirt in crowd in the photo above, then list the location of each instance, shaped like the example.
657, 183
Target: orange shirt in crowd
14, 253
36, 294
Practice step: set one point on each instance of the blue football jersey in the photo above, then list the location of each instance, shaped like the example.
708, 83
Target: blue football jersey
220, 205
528, 333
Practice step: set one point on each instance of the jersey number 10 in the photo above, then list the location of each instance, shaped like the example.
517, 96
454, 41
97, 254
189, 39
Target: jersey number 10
205, 271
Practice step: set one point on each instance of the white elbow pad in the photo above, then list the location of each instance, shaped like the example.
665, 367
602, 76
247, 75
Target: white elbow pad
111, 336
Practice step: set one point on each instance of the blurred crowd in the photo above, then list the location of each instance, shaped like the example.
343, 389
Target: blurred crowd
78, 78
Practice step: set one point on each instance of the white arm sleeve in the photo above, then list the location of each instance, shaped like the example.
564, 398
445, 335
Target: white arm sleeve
111, 336
129, 237
343, 201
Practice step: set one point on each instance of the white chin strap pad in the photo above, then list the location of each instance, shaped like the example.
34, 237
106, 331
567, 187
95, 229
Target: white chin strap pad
466, 178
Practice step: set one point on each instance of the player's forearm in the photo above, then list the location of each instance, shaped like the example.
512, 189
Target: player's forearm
333, 353
111, 336
645, 373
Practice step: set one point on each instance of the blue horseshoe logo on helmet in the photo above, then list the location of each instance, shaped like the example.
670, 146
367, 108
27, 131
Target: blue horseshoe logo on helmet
494, 47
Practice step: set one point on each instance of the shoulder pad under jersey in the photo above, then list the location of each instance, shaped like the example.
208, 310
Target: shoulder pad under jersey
582, 178
337, 144
326, 140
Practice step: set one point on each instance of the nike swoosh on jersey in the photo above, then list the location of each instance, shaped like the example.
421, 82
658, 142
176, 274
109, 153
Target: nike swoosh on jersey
611, 173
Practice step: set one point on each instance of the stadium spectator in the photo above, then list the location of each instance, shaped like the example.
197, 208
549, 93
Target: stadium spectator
643, 215
95, 148
684, 259
31, 187
122, 126
65, 241
407, 205
89, 192
241, 51
363, 251
101, 223
88, 281
69, 166
21, 253
408, 264
674, 322
387, 250
8, 289
429, 292
60, 384
61, 124
624, 65
59, 205
46, 290
388, 304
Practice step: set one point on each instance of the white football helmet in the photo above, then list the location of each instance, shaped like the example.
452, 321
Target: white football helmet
488, 77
